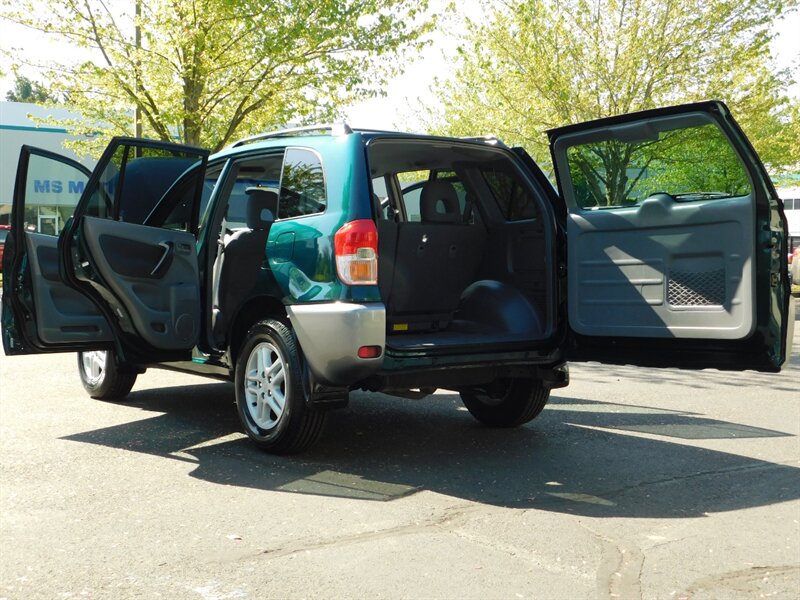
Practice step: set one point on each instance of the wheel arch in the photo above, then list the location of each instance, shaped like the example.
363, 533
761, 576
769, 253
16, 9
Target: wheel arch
251, 312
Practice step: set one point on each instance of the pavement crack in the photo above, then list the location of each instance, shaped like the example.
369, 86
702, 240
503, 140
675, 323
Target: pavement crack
448, 519
683, 477
620, 570
756, 581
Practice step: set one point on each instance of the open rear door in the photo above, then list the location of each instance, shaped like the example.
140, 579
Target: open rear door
126, 259
676, 242
40, 312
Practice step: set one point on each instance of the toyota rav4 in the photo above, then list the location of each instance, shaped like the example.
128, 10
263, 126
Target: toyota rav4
304, 264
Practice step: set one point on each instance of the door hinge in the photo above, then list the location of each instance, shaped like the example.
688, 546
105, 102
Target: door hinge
774, 279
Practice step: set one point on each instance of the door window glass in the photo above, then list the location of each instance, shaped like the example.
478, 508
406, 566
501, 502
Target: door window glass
691, 163
135, 179
52, 191
262, 173
209, 184
176, 210
302, 185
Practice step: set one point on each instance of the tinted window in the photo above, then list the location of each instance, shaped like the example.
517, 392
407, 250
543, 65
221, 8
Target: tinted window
692, 163
302, 185
263, 173
177, 209
209, 184
135, 180
513, 197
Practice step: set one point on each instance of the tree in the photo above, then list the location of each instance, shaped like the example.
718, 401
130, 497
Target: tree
202, 71
530, 65
26, 90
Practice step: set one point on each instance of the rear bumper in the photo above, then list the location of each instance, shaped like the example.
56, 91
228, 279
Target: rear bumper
330, 335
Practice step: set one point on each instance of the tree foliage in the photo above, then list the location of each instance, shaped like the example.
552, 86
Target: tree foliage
530, 65
27, 90
208, 70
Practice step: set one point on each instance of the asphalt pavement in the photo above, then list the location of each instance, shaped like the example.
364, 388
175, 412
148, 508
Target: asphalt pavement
633, 483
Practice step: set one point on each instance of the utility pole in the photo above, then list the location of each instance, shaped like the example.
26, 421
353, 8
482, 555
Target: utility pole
138, 40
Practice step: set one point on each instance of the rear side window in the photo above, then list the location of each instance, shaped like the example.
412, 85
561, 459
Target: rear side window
302, 185
513, 197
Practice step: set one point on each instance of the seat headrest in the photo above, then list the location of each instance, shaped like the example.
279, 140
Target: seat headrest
262, 206
438, 202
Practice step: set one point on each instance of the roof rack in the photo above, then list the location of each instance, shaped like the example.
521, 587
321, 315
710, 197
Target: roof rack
334, 128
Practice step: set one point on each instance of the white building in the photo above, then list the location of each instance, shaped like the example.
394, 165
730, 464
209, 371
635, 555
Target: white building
791, 204
52, 198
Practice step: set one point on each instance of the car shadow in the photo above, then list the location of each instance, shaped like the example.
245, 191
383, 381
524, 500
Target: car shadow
579, 457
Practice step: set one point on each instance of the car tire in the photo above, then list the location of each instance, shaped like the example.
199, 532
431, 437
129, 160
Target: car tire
270, 396
510, 403
102, 377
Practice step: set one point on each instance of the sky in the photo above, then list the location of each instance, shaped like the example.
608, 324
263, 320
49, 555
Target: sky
406, 94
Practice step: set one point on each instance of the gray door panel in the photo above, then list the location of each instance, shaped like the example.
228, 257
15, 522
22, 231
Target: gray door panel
663, 269
63, 315
153, 273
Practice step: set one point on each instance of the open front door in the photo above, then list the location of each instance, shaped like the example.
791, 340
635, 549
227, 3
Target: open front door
676, 242
128, 253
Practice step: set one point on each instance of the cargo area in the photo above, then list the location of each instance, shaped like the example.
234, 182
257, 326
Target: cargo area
465, 244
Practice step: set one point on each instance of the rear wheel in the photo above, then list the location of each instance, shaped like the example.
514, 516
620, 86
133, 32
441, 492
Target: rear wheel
269, 391
102, 377
507, 403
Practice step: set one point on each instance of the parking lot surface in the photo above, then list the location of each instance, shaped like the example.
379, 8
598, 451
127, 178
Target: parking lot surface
633, 483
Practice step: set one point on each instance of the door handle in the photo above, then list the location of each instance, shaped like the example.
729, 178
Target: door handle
169, 249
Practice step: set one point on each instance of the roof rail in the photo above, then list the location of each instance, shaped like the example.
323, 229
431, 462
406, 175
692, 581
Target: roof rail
489, 139
334, 128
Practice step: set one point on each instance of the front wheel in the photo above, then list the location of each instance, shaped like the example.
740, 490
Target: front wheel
102, 377
269, 391
507, 403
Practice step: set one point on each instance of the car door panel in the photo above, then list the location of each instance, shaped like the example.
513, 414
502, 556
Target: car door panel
639, 277
152, 276
63, 315
672, 256
106, 280
41, 313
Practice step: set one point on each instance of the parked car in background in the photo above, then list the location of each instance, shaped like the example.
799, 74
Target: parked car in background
303, 264
794, 264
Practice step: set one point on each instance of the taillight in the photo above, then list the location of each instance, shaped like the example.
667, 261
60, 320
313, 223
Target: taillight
356, 249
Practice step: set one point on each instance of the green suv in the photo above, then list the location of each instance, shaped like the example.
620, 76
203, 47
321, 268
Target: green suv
303, 264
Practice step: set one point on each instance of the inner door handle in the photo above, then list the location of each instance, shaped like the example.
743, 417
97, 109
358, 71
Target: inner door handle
169, 249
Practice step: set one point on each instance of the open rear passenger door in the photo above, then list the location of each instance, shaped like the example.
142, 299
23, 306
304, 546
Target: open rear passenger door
676, 242
123, 270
